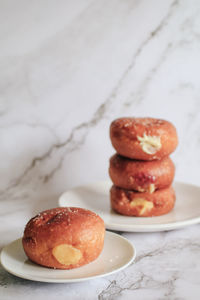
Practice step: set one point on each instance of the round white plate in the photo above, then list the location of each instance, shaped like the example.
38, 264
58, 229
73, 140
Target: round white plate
117, 254
95, 197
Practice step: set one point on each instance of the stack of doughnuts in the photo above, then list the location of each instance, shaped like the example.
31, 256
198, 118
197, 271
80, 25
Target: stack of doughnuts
142, 171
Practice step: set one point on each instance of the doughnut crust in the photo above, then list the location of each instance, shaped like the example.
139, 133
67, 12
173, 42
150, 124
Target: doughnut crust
143, 138
130, 203
141, 176
64, 237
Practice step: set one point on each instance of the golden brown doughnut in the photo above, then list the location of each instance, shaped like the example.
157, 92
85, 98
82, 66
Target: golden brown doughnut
64, 237
143, 138
141, 176
130, 203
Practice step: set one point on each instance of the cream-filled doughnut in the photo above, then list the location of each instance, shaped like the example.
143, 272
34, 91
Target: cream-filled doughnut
139, 175
130, 203
143, 138
64, 237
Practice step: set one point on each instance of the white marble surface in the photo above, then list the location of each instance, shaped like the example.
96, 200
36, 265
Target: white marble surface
67, 69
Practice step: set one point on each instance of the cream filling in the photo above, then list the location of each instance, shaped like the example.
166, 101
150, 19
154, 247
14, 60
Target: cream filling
142, 204
151, 188
150, 144
66, 254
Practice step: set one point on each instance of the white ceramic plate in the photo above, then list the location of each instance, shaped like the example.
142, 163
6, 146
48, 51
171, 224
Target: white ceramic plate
117, 254
95, 197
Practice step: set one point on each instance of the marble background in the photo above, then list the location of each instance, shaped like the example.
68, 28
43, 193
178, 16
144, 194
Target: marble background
67, 69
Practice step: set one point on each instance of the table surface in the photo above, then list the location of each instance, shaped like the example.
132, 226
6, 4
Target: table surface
68, 68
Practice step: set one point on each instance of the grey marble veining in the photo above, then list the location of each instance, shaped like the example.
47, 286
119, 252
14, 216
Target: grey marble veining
67, 70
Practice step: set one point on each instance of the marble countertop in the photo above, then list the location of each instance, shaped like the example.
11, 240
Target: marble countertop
68, 68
